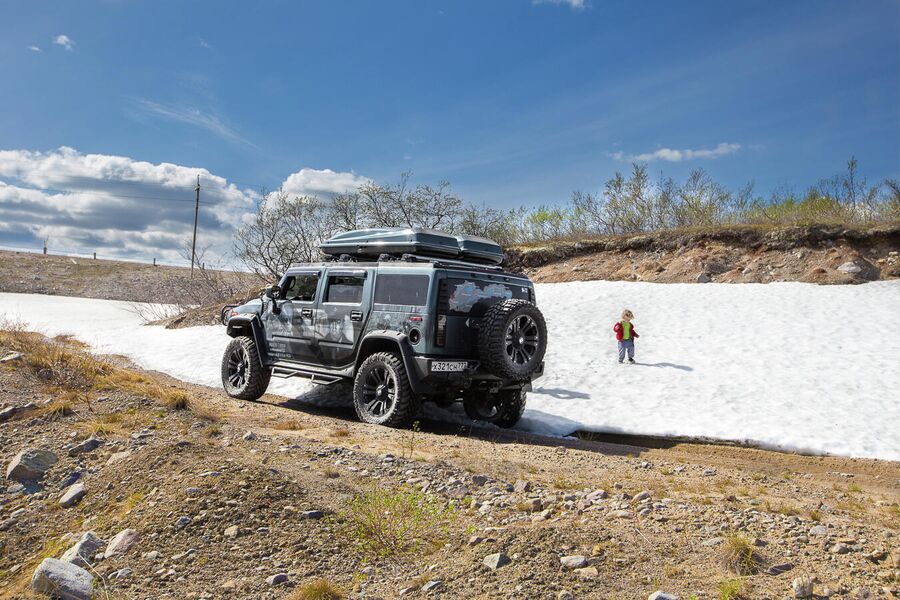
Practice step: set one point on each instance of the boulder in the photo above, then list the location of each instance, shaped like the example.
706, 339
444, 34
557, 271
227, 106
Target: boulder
83, 552
72, 495
30, 465
121, 543
62, 580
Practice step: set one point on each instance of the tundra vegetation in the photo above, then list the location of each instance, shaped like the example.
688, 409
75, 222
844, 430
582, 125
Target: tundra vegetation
287, 229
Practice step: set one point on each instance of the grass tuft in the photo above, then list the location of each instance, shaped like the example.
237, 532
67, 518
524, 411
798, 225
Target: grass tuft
740, 556
318, 589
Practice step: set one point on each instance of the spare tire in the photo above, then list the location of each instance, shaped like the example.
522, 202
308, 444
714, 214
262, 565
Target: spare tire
512, 339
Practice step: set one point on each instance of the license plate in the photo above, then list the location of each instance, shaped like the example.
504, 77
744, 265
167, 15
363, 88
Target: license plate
446, 366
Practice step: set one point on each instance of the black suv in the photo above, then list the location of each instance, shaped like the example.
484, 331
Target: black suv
407, 315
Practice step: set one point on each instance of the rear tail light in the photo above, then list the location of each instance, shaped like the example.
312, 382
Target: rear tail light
531, 296
440, 334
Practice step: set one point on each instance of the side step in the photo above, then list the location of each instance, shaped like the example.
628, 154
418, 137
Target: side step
284, 371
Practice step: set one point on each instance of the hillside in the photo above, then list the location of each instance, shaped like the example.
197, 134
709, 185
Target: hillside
740, 254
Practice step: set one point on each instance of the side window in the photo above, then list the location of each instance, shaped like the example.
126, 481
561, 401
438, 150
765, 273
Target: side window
301, 287
345, 288
406, 290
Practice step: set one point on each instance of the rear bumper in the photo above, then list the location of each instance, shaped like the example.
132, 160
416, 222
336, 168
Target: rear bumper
471, 377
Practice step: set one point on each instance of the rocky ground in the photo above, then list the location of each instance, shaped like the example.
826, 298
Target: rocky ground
160, 489
824, 255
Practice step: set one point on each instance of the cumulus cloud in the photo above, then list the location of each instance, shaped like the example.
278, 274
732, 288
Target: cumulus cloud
670, 155
575, 4
315, 182
64, 41
122, 207
195, 117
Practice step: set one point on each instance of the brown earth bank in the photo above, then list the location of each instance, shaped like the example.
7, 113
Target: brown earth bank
284, 499
33, 273
740, 254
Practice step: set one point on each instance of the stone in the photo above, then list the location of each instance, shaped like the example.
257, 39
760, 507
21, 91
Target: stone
84, 550
30, 465
73, 495
10, 357
88, 445
850, 268
818, 530
121, 573
642, 496
576, 561
231, 532
432, 585
118, 456
597, 495
152, 555
779, 568
587, 572
802, 587
565, 595
703, 278
122, 542
62, 580
620, 514
8, 412
662, 596
715, 541
249, 436
840, 548
533, 505
182, 522
521, 486
277, 579
479, 480
312, 514
495, 561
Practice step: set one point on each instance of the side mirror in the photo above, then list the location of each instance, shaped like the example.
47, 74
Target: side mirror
273, 292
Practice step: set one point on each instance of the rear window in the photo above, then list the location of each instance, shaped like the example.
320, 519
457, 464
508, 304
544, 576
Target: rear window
405, 290
473, 296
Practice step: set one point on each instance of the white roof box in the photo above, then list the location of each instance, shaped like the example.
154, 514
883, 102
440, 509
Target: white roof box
371, 243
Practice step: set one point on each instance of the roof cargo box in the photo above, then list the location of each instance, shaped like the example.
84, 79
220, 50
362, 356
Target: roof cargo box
478, 249
374, 242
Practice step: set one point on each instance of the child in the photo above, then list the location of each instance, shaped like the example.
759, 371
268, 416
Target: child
625, 334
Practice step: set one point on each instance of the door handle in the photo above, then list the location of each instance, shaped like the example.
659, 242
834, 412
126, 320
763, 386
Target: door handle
306, 312
356, 315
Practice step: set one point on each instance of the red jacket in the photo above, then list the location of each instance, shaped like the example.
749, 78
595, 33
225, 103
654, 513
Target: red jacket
618, 329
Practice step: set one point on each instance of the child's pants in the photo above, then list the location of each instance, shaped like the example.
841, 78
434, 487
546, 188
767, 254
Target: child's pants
626, 345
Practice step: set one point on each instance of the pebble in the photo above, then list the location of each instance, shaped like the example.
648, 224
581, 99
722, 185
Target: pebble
231, 532
802, 587
88, 445
495, 561
662, 596
72, 495
182, 522
432, 585
84, 550
277, 579
576, 561
121, 543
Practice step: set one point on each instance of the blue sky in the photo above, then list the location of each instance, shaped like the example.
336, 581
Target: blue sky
514, 102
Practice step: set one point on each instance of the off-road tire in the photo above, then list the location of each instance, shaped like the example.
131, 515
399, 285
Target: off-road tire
405, 404
494, 343
510, 405
255, 379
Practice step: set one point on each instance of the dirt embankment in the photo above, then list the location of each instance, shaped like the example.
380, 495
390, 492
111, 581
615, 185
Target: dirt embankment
278, 499
32, 273
812, 254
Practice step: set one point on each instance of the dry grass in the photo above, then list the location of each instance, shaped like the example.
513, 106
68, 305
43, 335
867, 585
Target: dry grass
341, 432
290, 425
739, 555
318, 589
331, 473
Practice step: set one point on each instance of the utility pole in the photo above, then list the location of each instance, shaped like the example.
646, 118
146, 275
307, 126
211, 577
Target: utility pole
196, 212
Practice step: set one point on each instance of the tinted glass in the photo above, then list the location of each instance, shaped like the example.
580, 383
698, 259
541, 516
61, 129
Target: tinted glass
301, 287
345, 288
407, 290
471, 297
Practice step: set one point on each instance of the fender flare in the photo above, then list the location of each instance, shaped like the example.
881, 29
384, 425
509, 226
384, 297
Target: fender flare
249, 326
398, 340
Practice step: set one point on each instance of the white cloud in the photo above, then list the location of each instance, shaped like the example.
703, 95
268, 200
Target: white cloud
204, 43
195, 117
122, 207
35, 48
575, 4
64, 41
313, 182
670, 155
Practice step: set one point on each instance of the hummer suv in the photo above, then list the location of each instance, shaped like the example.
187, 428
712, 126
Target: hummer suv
407, 316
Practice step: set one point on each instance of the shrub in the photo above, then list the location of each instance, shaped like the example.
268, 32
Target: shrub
319, 589
740, 556
731, 589
383, 522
